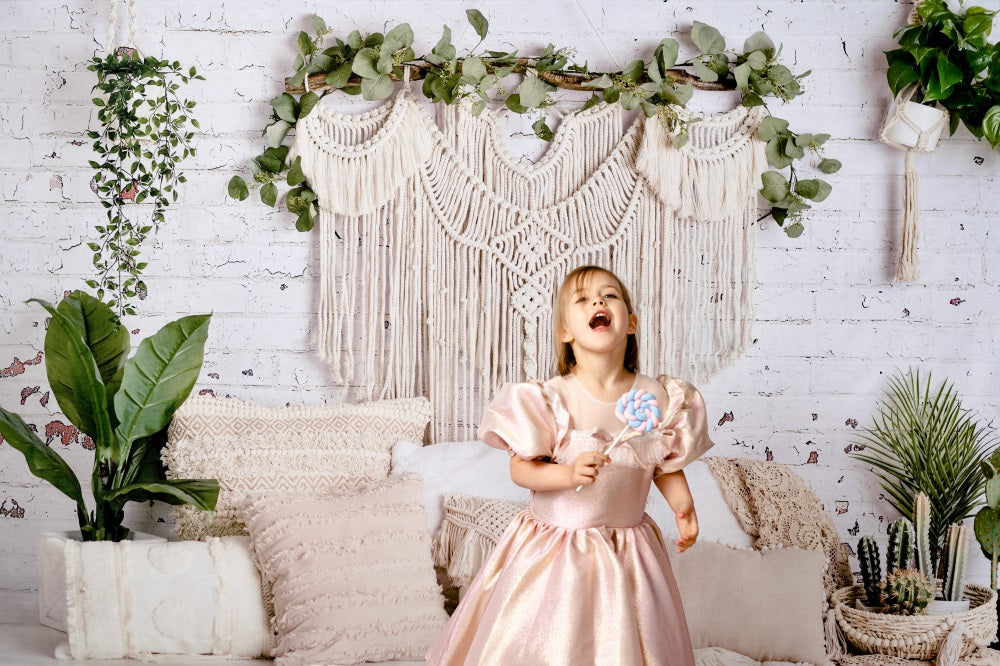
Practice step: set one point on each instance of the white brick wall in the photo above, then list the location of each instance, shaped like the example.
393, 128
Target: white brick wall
830, 323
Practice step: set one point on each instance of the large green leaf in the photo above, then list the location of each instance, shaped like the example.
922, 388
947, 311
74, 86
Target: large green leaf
75, 378
43, 462
159, 378
104, 334
200, 493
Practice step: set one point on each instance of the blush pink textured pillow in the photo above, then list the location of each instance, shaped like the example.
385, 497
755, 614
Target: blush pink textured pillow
352, 574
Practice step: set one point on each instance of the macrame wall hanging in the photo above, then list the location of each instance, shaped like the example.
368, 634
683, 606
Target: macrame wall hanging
448, 289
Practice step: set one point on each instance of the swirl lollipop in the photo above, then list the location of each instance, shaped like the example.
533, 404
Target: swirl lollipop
639, 411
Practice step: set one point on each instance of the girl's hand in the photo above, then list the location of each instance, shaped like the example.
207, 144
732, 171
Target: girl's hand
687, 528
584, 469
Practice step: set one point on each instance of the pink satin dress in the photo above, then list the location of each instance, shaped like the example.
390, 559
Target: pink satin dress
580, 578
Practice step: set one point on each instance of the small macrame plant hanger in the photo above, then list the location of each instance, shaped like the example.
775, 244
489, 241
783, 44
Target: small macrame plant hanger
113, 26
915, 128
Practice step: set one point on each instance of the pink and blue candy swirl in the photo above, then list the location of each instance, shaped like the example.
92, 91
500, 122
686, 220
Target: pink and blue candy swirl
639, 409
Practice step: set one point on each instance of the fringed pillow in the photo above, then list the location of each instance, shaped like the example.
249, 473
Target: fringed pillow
304, 448
471, 529
352, 574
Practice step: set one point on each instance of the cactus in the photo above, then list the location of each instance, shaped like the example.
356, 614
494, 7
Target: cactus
922, 525
987, 523
901, 546
954, 556
871, 569
906, 592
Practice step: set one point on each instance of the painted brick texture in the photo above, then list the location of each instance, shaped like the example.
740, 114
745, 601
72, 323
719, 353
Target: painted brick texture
830, 323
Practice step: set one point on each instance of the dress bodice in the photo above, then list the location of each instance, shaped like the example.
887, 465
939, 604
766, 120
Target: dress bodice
558, 421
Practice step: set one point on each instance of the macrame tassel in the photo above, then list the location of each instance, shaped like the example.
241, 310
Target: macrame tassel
712, 176
352, 178
906, 271
951, 649
836, 643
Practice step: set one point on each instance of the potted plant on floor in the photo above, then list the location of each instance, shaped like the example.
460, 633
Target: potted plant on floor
922, 440
987, 524
124, 404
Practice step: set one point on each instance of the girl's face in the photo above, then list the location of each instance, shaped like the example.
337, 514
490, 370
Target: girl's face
596, 317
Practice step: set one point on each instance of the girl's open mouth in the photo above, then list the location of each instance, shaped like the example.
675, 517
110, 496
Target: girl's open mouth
600, 319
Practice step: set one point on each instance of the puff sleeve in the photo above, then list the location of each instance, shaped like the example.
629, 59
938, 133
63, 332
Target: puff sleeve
523, 420
685, 432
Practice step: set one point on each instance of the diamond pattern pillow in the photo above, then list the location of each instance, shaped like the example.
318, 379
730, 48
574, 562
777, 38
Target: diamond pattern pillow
302, 448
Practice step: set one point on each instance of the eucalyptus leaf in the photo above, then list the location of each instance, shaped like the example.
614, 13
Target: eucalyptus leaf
742, 75
276, 132
542, 130
306, 104
444, 47
776, 187
794, 230
634, 70
533, 91
473, 70
319, 25
666, 53
400, 36
759, 41
269, 194
295, 175
513, 103
756, 60
770, 127
707, 38
365, 64
339, 77
828, 165
703, 72
305, 44
478, 22
603, 81
376, 89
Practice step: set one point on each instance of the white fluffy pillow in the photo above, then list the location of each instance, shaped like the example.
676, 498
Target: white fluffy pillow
463, 468
477, 469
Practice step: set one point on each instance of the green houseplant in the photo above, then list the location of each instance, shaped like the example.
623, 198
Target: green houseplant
922, 440
948, 58
124, 404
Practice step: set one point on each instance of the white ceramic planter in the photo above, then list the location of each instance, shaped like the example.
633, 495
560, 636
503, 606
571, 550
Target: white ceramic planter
52, 574
927, 120
941, 607
860, 605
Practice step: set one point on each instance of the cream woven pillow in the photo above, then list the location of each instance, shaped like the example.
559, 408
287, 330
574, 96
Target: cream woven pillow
471, 529
767, 605
352, 574
304, 448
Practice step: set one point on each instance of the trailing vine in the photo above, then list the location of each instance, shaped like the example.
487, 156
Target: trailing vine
368, 64
142, 139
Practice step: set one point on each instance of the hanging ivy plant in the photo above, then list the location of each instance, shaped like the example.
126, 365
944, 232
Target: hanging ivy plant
142, 138
367, 64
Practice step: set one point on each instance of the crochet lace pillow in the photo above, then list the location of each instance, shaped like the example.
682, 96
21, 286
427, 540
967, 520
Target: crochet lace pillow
351, 573
305, 448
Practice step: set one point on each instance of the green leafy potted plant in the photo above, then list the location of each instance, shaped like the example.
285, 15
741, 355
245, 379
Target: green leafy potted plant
987, 523
946, 59
124, 404
922, 440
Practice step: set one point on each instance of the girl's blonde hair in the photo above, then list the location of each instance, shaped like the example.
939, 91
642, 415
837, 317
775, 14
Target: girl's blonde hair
565, 360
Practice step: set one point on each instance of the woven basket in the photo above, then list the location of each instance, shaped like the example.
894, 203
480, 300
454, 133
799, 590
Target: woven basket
915, 636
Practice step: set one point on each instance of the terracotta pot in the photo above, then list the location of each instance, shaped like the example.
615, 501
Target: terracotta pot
52, 574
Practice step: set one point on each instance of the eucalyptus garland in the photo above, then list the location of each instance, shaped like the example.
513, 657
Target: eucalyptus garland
142, 139
368, 64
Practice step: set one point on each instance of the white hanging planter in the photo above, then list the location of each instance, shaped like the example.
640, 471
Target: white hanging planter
52, 574
912, 126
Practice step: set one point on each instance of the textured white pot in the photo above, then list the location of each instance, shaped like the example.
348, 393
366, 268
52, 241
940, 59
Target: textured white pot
942, 607
52, 574
928, 120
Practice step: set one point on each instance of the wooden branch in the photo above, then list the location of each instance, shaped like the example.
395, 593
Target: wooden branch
566, 80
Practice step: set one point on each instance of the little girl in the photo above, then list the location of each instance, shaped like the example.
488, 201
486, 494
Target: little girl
583, 578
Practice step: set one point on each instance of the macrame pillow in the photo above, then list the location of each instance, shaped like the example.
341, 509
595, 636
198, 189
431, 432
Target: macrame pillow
471, 529
351, 573
309, 448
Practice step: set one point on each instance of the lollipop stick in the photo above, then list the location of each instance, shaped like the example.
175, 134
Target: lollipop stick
614, 443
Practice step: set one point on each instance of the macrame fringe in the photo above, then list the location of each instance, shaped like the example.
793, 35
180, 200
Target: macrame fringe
906, 270
714, 175
836, 642
353, 167
445, 287
462, 551
951, 648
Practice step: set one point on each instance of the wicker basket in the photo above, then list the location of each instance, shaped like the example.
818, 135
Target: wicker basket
915, 636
